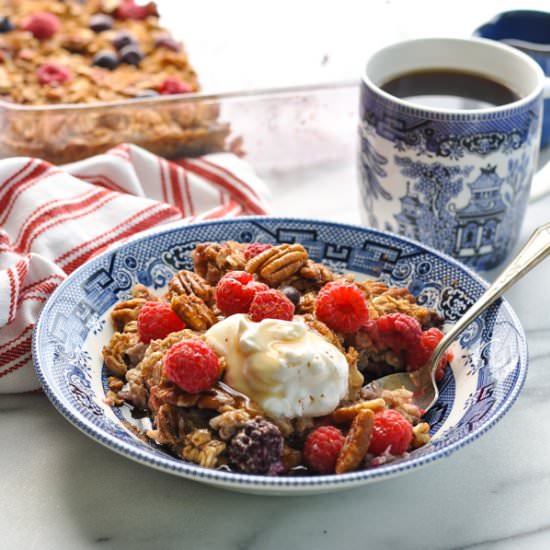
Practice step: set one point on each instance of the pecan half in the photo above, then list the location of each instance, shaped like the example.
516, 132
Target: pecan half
278, 263
126, 311
213, 260
345, 415
193, 311
356, 443
189, 283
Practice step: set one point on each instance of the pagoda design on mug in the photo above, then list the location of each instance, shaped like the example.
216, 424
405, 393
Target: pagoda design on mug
479, 223
478, 226
411, 210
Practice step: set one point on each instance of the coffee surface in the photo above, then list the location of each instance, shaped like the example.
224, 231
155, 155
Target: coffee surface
450, 88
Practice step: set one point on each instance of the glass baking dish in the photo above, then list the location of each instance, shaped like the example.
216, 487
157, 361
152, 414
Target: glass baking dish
281, 126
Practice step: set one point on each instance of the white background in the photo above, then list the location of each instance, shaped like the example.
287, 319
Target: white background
239, 44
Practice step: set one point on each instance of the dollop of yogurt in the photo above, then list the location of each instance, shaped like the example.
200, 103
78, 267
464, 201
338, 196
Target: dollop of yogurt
288, 369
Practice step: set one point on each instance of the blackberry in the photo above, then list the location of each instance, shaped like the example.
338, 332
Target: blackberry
257, 448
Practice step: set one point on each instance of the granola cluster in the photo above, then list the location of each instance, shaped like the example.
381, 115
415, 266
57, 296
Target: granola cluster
221, 427
71, 52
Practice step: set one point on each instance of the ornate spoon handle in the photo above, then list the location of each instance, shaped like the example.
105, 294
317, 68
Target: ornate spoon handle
533, 252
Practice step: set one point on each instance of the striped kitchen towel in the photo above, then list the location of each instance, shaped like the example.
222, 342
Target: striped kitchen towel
53, 219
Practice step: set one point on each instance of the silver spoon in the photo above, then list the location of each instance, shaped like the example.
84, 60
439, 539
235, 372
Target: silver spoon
422, 382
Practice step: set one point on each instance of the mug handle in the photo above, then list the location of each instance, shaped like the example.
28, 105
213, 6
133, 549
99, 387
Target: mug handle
541, 180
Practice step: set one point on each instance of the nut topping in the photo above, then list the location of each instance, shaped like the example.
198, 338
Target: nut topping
190, 284
193, 311
356, 443
276, 264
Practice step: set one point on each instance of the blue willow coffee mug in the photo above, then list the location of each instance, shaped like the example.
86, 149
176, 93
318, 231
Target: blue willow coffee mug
454, 177
528, 31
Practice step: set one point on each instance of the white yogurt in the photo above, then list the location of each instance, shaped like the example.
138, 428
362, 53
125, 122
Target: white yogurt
285, 367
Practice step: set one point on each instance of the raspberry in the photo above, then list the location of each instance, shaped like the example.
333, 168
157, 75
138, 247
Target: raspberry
428, 342
257, 448
322, 447
43, 25
53, 73
128, 9
391, 431
157, 320
271, 304
396, 331
192, 366
254, 249
342, 307
235, 292
173, 85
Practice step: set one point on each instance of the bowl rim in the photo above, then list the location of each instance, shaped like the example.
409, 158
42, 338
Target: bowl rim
187, 470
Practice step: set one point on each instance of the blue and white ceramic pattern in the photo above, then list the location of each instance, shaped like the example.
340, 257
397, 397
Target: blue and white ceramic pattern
528, 31
457, 180
486, 377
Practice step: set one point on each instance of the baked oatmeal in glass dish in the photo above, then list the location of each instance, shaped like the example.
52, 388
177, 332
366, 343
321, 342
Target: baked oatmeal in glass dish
259, 360
78, 78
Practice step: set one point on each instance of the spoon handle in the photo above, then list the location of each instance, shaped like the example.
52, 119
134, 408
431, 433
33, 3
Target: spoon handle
534, 251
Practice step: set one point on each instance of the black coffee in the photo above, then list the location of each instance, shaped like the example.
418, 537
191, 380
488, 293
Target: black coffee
450, 89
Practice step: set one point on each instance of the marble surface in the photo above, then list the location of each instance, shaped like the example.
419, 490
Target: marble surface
60, 489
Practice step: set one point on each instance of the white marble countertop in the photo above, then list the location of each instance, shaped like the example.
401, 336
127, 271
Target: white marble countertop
60, 489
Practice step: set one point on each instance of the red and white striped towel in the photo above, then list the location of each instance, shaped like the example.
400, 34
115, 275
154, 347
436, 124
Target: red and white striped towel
53, 219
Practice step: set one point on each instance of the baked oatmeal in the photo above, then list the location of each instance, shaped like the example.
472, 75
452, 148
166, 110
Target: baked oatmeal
258, 361
70, 52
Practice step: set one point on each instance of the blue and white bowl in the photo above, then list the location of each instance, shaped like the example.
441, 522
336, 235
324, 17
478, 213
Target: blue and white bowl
484, 381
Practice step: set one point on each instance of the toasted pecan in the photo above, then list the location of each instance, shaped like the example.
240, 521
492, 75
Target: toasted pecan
193, 311
125, 312
356, 443
345, 415
213, 260
191, 284
278, 263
